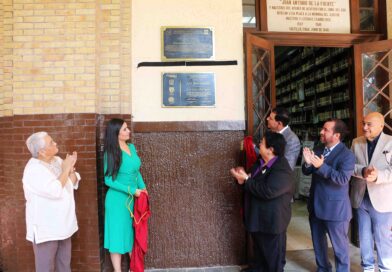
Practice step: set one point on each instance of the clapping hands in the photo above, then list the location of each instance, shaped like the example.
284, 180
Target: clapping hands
239, 174
69, 162
312, 159
370, 174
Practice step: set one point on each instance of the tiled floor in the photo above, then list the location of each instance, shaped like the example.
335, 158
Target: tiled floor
300, 255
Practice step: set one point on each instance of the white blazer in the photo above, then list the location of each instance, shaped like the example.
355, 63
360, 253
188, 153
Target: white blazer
380, 192
50, 208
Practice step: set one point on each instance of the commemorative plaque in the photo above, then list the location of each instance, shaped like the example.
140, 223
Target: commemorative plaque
188, 90
187, 43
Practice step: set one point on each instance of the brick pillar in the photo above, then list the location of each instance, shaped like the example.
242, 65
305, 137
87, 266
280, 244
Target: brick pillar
71, 132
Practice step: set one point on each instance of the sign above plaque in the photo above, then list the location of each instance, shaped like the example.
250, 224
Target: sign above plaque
315, 16
187, 43
188, 90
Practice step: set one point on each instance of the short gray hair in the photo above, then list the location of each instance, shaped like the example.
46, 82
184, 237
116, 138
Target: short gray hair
36, 142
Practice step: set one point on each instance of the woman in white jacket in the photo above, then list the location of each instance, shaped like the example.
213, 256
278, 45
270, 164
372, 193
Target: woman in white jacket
48, 184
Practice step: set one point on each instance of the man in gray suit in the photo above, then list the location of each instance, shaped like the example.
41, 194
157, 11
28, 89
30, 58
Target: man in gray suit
278, 121
371, 192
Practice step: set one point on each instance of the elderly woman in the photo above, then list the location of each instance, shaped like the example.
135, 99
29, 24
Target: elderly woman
48, 184
267, 209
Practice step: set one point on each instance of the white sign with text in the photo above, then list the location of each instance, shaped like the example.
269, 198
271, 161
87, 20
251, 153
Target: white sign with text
315, 16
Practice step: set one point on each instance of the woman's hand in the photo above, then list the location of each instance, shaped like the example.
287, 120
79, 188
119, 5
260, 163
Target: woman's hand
137, 192
239, 174
68, 163
67, 167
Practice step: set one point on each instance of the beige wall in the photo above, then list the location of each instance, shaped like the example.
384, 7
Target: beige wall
53, 68
225, 16
1, 60
59, 57
114, 56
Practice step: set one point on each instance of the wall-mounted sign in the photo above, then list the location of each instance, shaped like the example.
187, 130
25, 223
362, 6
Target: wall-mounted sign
188, 90
187, 43
316, 16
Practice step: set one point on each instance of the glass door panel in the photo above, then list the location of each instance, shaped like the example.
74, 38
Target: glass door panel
374, 88
260, 76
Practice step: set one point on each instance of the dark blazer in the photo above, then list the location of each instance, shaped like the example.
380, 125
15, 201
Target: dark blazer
329, 192
267, 198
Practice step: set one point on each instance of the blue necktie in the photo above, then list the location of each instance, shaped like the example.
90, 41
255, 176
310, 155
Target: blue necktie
326, 152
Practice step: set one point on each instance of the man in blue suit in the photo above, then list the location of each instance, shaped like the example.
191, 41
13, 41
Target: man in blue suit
329, 205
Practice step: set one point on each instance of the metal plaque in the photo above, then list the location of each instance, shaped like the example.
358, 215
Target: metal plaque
187, 43
188, 90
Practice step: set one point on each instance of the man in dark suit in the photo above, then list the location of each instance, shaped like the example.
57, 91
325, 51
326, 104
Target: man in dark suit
278, 121
329, 206
267, 208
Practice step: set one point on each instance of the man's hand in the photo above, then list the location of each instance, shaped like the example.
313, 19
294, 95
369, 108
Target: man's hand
308, 154
317, 161
371, 174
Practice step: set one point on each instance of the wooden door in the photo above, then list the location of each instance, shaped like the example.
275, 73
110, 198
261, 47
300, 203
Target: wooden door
373, 81
260, 83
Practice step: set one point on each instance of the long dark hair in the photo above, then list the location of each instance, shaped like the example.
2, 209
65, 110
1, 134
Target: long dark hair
112, 150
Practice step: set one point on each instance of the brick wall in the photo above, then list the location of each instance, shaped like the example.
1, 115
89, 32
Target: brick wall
65, 57
114, 62
1, 59
6, 50
54, 57
71, 132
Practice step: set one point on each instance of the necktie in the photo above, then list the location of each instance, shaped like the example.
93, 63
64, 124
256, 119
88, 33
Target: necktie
326, 152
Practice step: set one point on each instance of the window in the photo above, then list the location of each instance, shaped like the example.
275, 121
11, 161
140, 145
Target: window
249, 13
366, 15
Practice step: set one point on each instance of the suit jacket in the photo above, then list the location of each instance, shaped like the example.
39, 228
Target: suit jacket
380, 192
293, 147
329, 197
267, 198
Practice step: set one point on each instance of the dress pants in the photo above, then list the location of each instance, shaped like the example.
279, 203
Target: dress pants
268, 251
374, 228
53, 256
337, 232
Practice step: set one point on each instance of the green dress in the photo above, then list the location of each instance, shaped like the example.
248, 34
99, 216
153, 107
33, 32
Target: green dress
119, 235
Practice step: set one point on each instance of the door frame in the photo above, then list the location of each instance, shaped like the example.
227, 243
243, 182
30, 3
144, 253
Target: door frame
251, 41
358, 50
313, 40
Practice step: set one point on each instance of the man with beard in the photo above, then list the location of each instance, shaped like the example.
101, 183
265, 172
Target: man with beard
331, 166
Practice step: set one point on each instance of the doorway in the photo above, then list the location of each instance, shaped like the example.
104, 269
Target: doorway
316, 78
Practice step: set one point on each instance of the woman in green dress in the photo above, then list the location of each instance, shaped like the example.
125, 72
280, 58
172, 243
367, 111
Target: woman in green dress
122, 176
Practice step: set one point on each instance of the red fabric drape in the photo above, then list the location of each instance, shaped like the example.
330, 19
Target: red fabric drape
250, 153
141, 214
